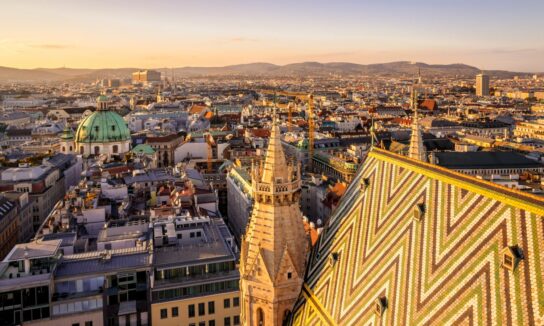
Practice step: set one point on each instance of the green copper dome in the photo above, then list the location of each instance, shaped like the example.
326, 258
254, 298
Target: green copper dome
67, 134
102, 127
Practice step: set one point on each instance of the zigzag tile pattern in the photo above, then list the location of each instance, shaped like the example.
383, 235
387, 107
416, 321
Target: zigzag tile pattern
444, 269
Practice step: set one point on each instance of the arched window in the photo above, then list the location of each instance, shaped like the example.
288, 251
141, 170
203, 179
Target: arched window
260, 317
81, 150
63, 149
96, 150
286, 316
115, 149
70, 148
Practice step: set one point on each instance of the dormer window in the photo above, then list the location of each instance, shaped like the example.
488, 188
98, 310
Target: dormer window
96, 128
112, 128
419, 211
365, 182
289, 275
510, 257
335, 256
380, 304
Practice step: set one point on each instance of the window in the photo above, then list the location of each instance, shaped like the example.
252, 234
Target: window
227, 321
191, 309
201, 309
226, 303
260, 317
202, 323
235, 301
511, 256
236, 320
192, 235
96, 150
211, 307
211, 322
164, 313
175, 311
115, 149
380, 304
75, 324
289, 275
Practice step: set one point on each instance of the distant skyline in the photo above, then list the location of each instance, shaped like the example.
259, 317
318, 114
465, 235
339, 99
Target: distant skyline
499, 34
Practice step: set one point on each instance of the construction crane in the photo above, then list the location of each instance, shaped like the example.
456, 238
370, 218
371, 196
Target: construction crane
311, 128
289, 117
211, 142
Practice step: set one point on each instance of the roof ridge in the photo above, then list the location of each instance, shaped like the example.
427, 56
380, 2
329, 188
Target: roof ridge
534, 202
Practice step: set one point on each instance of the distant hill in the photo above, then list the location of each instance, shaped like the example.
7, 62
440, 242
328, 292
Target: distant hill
393, 69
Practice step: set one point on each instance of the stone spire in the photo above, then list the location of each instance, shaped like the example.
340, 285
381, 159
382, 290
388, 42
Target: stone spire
416, 150
275, 245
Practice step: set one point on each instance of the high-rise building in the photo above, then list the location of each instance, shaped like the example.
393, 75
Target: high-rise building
146, 76
482, 85
275, 244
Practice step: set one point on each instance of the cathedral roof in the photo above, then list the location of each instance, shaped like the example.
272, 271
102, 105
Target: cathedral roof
412, 243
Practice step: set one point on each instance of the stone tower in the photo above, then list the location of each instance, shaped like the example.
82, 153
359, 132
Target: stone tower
275, 245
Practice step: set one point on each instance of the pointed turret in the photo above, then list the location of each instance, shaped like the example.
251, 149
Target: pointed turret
274, 247
416, 150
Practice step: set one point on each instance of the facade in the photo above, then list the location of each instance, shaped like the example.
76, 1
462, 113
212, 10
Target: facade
165, 147
530, 129
25, 278
415, 244
275, 244
103, 132
338, 165
21, 200
44, 185
482, 85
195, 280
9, 226
239, 200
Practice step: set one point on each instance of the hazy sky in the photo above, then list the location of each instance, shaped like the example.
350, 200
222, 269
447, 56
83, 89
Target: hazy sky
490, 34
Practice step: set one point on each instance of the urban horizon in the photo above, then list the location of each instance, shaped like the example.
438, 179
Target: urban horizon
188, 33
258, 163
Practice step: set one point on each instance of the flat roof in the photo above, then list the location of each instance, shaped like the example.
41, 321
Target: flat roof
34, 250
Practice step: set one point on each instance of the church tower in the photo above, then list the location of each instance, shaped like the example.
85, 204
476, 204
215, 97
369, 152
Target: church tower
275, 245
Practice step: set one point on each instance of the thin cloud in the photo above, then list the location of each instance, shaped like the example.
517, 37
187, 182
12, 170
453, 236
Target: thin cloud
508, 51
51, 46
242, 39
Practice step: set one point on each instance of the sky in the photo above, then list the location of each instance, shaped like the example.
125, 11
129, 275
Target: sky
489, 34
